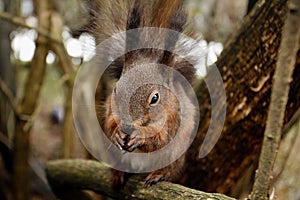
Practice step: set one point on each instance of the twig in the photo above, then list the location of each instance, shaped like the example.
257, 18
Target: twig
291, 123
287, 156
20, 22
295, 120
30, 119
9, 95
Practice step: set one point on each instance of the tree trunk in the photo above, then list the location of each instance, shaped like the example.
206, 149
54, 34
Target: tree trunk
28, 106
280, 90
247, 65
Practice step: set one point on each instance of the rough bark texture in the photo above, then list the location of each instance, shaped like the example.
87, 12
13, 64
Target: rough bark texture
28, 105
280, 90
66, 176
247, 66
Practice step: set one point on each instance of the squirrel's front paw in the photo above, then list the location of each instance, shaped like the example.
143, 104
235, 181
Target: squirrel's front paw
127, 142
135, 140
119, 139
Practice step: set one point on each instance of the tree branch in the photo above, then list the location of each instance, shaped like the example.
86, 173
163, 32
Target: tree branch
20, 22
68, 71
287, 127
21, 154
288, 154
75, 174
9, 95
279, 98
251, 4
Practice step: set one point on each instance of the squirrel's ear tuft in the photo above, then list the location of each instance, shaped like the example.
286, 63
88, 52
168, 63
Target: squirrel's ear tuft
133, 22
134, 18
115, 68
176, 21
187, 70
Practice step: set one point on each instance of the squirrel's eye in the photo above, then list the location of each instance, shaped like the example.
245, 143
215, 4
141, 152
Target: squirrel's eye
154, 99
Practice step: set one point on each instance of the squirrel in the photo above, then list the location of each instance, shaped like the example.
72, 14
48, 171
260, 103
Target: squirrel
149, 129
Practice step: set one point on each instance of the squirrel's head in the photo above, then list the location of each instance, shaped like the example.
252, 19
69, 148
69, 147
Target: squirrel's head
143, 97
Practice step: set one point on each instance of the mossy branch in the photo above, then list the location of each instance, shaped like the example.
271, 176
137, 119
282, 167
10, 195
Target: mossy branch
74, 174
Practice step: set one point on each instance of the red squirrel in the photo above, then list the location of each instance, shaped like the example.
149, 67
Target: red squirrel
149, 129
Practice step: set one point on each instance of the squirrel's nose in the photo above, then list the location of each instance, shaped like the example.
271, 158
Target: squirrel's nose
127, 129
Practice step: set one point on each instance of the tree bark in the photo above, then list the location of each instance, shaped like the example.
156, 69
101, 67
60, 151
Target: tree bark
67, 176
280, 90
247, 65
28, 105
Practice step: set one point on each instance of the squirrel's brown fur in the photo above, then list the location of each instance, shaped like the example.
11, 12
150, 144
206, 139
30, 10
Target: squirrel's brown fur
110, 17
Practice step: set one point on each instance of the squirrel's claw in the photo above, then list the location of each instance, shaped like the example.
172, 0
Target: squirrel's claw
133, 146
134, 142
116, 143
118, 140
127, 143
117, 179
152, 179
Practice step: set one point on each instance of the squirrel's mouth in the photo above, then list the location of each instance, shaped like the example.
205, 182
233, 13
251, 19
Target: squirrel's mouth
128, 129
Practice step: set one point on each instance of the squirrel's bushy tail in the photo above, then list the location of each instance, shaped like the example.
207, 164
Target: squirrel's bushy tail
107, 17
